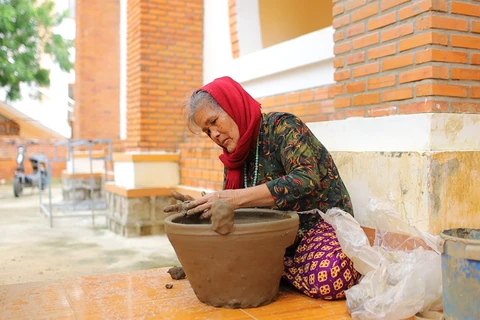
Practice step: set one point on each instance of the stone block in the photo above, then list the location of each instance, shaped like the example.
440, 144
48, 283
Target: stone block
81, 188
131, 217
138, 209
159, 203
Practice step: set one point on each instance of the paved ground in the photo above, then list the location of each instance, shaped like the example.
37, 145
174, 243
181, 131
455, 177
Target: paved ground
32, 251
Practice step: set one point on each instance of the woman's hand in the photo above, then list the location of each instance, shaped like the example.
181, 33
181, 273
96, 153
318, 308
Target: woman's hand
204, 204
179, 207
252, 197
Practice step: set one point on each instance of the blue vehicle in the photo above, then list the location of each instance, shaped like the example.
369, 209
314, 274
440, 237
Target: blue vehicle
38, 178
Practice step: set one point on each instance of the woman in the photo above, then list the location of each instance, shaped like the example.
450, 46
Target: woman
273, 160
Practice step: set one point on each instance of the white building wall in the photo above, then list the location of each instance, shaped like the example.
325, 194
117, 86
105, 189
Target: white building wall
217, 52
301, 63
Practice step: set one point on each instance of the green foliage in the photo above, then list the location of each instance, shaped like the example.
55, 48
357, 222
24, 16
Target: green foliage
26, 29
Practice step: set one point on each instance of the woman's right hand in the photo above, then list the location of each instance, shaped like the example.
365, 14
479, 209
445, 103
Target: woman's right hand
179, 207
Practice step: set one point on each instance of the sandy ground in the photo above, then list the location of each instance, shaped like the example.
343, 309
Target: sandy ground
32, 251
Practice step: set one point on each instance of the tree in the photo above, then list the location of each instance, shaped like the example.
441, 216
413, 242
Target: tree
27, 30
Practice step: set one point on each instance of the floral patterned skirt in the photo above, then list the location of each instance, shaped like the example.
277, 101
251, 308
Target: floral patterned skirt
318, 266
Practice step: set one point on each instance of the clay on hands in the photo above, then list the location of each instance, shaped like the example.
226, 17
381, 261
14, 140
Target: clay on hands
179, 207
222, 217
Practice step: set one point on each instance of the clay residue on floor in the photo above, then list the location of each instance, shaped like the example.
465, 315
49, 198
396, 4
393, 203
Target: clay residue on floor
32, 251
177, 273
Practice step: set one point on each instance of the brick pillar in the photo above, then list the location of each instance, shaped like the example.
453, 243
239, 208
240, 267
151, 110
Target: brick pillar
232, 17
164, 53
97, 70
401, 56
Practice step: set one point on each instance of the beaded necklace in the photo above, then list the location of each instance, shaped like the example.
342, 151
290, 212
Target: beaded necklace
255, 173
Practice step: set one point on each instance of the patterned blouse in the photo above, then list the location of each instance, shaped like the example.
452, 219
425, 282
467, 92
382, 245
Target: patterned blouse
297, 168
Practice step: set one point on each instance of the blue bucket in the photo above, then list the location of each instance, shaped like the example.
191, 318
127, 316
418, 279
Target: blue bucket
461, 273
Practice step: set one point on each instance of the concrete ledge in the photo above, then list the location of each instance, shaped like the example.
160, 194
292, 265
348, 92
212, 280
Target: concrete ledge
150, 191
154, 157
135, 229
137, 192
134, 212
84, 175
79, 186
401, 133
193, 192
96, 154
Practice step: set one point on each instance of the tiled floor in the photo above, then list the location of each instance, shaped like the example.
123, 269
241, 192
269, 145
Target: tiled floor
142, 295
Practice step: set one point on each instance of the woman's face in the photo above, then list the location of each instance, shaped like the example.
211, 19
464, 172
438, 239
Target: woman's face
218, 125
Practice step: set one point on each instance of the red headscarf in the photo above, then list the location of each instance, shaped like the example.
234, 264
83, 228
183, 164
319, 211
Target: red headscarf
245, 111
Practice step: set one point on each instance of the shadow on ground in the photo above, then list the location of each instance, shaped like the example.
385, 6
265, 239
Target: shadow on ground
32, 251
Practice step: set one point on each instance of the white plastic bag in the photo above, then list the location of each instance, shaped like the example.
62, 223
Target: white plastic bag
401, 274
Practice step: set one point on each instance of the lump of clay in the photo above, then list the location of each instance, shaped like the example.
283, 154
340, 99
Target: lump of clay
222, 217
176, 273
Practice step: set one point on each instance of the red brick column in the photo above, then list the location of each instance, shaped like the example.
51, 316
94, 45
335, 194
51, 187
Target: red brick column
401, 56
164, 54
97, 70
232, 17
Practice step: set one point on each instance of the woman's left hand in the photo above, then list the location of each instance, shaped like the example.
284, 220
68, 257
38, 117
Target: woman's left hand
258, 196
203, 204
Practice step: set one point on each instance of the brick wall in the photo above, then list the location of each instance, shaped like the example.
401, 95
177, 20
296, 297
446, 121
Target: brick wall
97, 70
310, 105
400, 56
8, 127
199, 163
8, 152
164, 54
20, 130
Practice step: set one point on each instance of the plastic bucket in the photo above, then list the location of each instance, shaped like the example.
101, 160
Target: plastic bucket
461, 273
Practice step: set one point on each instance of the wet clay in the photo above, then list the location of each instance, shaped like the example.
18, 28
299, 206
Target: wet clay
222, 217
184, 207
241, 269
179, 207
176, 273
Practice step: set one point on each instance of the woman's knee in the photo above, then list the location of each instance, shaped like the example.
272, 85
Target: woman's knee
328, 279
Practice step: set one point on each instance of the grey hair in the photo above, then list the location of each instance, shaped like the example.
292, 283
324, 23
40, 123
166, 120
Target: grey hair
196, 101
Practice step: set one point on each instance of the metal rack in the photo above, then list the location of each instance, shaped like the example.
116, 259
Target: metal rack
62, 209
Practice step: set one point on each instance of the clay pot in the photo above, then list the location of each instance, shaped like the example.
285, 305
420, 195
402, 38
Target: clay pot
241, 269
